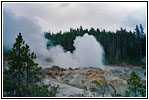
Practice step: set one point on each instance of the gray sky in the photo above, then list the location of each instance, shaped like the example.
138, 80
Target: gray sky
35, 18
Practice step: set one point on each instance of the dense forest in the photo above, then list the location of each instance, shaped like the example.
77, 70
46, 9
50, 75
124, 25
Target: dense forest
120, 46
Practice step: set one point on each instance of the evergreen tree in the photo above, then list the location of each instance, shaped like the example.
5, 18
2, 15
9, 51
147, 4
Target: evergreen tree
23, 74
135, 87
142, 29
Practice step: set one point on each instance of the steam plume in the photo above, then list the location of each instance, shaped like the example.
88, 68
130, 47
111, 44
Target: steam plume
88, 53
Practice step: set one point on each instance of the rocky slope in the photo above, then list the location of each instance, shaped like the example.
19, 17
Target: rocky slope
90, 81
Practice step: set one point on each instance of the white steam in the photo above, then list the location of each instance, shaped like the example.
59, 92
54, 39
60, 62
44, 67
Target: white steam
88, 53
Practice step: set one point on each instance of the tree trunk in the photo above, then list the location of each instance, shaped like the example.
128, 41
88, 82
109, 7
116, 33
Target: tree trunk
135, 90
27, 81
19, 82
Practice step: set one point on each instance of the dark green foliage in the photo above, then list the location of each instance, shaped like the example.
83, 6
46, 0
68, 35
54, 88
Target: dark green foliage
113, 94
135, 86
23, 78
110, 60
35, 90
9, 85
119, 46
53, 91
142, 90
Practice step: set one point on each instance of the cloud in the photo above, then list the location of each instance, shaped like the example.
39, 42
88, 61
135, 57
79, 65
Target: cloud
31, 31
62, 16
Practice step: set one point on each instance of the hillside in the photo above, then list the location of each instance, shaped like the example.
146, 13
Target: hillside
82, 81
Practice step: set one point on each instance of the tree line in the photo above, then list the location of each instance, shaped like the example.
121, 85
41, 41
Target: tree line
120, 46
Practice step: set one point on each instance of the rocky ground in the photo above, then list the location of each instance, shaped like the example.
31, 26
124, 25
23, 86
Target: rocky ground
80, 82
83, 81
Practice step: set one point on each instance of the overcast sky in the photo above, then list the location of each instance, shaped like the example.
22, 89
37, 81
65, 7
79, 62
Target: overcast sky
35, 18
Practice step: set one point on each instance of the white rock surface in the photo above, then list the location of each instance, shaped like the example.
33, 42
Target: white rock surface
73, 82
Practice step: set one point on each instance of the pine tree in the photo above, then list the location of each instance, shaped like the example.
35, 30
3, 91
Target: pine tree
135, 87
17, 65
23, 73
142, 29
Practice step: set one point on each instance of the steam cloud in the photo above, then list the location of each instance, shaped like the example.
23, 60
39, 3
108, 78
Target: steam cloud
88, 53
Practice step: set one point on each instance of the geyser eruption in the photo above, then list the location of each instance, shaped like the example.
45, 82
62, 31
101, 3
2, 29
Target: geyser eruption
88, 53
